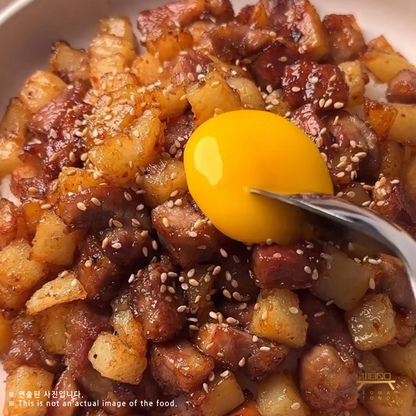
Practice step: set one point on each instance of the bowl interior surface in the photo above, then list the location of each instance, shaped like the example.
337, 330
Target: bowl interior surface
28, 28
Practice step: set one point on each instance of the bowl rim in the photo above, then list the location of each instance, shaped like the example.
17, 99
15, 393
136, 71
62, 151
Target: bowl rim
12, 9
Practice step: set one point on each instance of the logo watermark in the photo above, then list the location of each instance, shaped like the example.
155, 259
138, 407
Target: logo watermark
376, 378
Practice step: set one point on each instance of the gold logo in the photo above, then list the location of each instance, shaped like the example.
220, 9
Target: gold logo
376, 378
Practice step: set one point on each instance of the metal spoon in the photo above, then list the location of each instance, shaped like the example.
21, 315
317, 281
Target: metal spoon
360, 219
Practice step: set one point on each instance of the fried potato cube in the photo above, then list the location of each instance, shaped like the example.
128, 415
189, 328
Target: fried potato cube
70, 64
99, 67
40, 89
52, 244
278, 318
118, 26
12, 223
346, 282
278, 395
371, 322
385, 66
148, 69
32, 213
248, 408
169, 44
381, 44
113, 359
5, 334
64, 289
249, 94
400, 359
53, 328
77, 180
214, 96
392, 159
179, 367
15, 119
107, 45
381, 400
224, 395
10, 149
392, 121
28, 379
12, 301
354, 77
162, 179
129, 330
17, 271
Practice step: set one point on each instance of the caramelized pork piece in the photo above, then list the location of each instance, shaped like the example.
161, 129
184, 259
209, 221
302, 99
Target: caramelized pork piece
183, 13
99, 276
64, 398
327, 326
233, 41
328, 384
402, 88
308, 120
194, 63
267, 14
393, 201
249, 408
60, 124
178, 131
96, 206
12, 223
236, 349
179, 367
355, 139
186, 233
268, 67
27, 347
310, 83
391, 279
107, 392
154, 305
287, 267
241, 312
346, 40
84, 325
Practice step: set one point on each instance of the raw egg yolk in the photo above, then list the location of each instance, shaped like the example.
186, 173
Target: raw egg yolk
234, 152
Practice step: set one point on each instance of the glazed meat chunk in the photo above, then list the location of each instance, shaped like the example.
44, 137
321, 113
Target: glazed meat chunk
179, 367
185, 232
402, 88
154, 306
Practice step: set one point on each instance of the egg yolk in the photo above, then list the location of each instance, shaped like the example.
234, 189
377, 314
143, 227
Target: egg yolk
234, 152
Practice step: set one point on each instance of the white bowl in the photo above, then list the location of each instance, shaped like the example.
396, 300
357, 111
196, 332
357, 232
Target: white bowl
28, 27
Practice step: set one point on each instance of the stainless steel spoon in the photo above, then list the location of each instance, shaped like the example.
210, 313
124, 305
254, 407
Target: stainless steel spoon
360, 219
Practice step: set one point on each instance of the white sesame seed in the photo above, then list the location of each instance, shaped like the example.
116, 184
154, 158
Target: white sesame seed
321, 103
315, 274
95, 201
255, 338
165, 222
88, 263
223, 253
237, 296
295, 89
265, 349
193, 328
227, 294
46, 206
295, 406
293, 310
131, 278
226, 373
394, 181
181, 308
300, 252
116, 246
213, 315
145, 251
319, 314
234, 284
191, 273
81, 206
328, 103
314, 80
338, 105
193, 282
105, 242
193, 234
155, 245
242, 362
217, 270
198, 224
307, 270
372, 284
117, 224
362, 155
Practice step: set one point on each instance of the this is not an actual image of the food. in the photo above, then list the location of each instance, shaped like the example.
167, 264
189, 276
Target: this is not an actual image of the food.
113, 281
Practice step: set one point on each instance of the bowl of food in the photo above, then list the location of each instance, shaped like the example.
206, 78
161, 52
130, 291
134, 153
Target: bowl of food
138, 274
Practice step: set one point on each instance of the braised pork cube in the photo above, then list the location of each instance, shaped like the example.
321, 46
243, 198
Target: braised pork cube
356, 144
287, 267
310, 83
240, 313
234, 280
346, 41
308, 120
104, 206
27, 347
84, 325
182, 13
178, 131
232, 42
393, 201
402, 88
186, 233
179, 367
269, 65
328, 383
391, 279
60, 122
327, 326
65, 399
194, 63
99, 276
156, 302
249, 408
236, 349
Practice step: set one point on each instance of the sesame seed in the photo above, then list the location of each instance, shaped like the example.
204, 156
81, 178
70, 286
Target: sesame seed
191, 77
211, 377
215, 84
362, 155
329, 303
237, 296
184, 286
340, 175
223, 253
295, 89
300, 252
203, 247
295, 406
117, 224
193, 328
105, 242
217, 270
95, 201
127, 196
307, 270
163, 289
155, 245
165, 222
293, 310
198, 224
394, 181
131, 278
234, 284
373, 261
372, 284
360, 365
174, 194
145, 251
328, 103
181, 308
255, 338
366, 203
314, 80
264, 316
193, 234
227, 294
116, 246
46, 206
338, 105
265, 349
210, 345
226, 373
74, 282
321, 103
81, 206
191, 273
88, 263
213, 315
193, 282
231, 321
242, 362
315, 274
178, 202
319, 314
